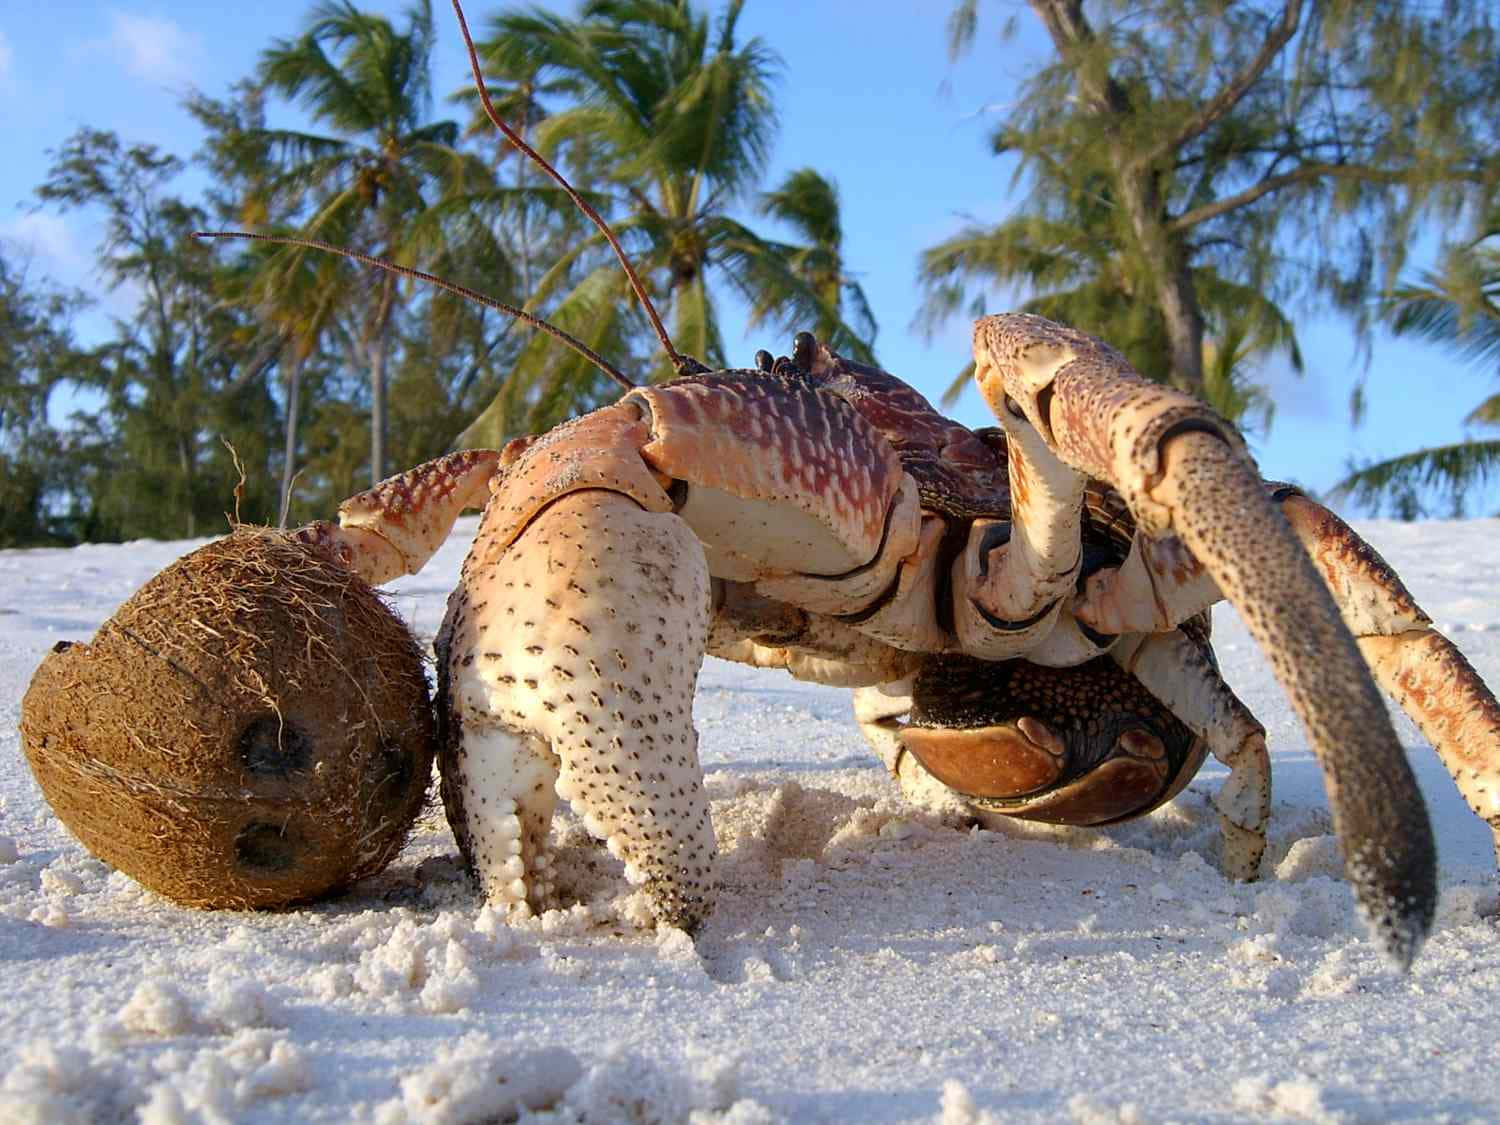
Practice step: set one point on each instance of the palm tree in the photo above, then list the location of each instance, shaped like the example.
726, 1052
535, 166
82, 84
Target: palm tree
668, 120
809, 204
297, 303
1063, 256
385, 179
1457, 306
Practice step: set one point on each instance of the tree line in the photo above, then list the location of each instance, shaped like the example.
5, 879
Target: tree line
1189, 169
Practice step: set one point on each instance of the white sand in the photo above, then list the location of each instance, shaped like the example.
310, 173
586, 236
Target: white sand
867, 962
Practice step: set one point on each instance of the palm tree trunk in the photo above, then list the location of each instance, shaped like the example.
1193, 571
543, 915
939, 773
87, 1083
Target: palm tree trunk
379, 345
1176, 295
289, 456
185, 466
1140, 194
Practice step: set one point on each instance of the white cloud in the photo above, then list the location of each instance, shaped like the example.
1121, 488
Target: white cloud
49, 242
153, 48
7, 66
52, 248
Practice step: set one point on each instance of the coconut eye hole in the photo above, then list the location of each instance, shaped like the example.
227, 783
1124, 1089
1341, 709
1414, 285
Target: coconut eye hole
272, 747
266, 847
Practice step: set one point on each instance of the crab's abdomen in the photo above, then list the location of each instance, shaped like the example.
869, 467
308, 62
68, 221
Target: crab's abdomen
1081, 745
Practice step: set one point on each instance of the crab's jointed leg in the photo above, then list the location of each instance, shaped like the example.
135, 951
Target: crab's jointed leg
1420, 668
1160, 585
395, 527
1011, 583
1185, 472
1181, 673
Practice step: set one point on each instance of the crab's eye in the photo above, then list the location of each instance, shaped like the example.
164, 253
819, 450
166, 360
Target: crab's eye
804, 344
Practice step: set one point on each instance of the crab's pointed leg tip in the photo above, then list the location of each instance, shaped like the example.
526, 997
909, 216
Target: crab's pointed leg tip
1401, 926
1401, 946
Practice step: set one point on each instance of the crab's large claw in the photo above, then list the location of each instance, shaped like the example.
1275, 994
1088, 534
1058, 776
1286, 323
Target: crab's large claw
1184, 471
572, 646
567, 666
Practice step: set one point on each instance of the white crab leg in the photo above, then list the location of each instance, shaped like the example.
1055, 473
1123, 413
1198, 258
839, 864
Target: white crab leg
1181, 673
1010, 582
572, 654
1184, 471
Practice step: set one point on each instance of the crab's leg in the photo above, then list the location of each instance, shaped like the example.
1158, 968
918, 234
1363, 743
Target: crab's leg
1160, 585
1431, 680
1183, 470
395, 527
1180, 672
571, 648
1012, 580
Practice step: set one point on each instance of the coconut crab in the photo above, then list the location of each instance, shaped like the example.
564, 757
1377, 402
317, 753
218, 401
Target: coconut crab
1022, 610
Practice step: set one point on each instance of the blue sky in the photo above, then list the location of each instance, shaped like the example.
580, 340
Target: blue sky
867, 96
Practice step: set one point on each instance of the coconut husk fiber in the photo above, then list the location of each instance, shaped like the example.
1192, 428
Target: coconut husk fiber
251, 729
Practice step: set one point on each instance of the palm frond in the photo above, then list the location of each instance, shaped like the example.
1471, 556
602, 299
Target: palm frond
1487, 413
1450, 470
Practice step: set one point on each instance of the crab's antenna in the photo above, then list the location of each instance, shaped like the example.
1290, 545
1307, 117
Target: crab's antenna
578, 346
682, 364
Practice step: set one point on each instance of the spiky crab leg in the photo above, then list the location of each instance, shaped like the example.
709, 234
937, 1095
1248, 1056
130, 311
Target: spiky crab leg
1184, 471
570, 657
395, 527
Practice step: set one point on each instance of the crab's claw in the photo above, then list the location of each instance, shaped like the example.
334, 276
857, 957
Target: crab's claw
1185, 472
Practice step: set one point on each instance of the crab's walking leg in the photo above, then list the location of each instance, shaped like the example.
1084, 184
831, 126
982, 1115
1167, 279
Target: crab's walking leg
1011, 582
1183, 471
1181, 673
1160, 585
1421, 669
395, 527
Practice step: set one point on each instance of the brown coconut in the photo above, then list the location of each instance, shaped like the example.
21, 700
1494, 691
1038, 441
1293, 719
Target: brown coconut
251, 729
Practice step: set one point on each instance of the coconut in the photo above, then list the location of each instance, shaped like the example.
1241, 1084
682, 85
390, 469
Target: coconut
251, 729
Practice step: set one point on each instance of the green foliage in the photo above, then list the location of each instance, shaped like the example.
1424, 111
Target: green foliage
320, 373
1405, 485
1458, 307
151, 461
36, 354
666, 118
385, 179
1191, 166
809, 204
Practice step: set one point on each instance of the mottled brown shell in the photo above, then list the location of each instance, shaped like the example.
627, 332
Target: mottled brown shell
959, 472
